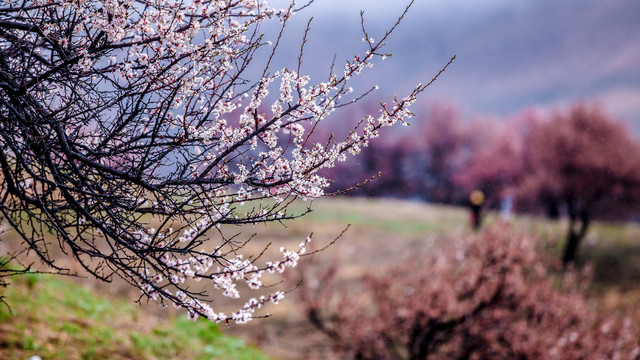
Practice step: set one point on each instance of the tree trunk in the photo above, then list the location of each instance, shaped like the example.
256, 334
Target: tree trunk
575, 236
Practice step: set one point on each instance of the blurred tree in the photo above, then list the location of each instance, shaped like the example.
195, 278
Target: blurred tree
494, 164
440, 148
419, 163
378, 170
485, 296
381, 168
585, 161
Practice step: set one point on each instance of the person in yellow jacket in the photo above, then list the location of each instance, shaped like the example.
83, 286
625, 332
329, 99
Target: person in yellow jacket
476, 199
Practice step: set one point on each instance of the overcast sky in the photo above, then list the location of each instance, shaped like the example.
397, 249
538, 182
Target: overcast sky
376, 9
383, 6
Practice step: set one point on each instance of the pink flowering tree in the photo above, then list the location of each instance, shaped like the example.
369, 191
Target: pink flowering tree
495, 163
584, 160
134, 130
482, 296
439, 151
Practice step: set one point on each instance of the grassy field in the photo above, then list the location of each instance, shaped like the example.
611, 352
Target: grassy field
54, 318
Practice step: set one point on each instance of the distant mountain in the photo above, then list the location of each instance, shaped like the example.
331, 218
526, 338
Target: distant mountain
510, 55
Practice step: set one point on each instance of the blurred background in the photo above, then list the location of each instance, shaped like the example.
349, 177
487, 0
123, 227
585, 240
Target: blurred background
538, 117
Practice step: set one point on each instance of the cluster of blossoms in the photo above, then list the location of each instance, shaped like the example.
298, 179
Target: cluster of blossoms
224, 278
136, 116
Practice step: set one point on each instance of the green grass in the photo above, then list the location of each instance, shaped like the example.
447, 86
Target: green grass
386, 215
56, 318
